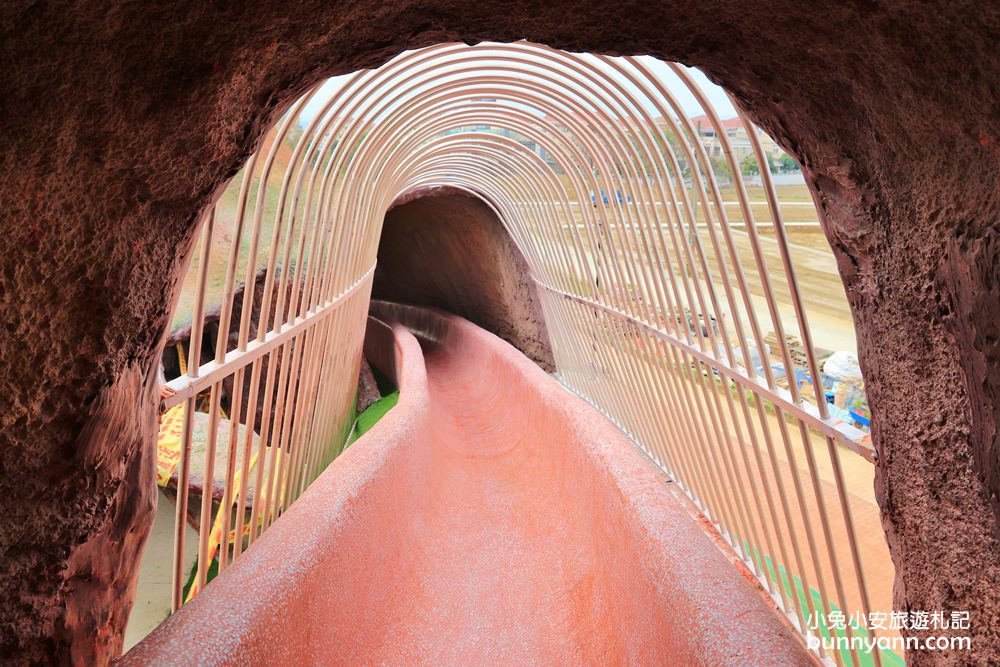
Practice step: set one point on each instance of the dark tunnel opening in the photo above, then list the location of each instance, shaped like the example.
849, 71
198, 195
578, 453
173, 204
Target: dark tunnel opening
447, 249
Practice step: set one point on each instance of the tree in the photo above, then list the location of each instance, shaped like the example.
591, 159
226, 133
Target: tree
720, 166
749, 166
787, 163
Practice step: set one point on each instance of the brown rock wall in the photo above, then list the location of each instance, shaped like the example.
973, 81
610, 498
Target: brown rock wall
121, 121
449, 250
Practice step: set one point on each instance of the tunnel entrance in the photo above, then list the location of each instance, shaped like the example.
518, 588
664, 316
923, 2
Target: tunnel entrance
619, 217
906, 238
446, 248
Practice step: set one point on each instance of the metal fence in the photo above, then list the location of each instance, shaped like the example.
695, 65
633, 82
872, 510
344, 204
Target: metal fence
668, 286
274, 403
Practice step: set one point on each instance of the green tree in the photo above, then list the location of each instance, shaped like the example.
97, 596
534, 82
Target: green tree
749, 166
294, 134
787, 163
720, 166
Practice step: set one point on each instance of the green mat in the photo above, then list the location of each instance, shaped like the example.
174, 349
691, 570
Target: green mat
889, 658
370, 417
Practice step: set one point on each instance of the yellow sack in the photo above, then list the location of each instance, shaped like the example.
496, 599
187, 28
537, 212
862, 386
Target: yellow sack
168, 443
215, 537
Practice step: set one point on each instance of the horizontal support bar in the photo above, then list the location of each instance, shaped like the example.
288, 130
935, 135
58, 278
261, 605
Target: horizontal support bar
844, 434
187, 386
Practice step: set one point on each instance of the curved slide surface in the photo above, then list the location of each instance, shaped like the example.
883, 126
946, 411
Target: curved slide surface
490, 518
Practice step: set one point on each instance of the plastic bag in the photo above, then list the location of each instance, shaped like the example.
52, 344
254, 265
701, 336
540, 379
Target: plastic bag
843, 366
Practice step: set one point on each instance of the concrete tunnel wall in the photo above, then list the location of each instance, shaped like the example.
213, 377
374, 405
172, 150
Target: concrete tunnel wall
446, 248
139, 112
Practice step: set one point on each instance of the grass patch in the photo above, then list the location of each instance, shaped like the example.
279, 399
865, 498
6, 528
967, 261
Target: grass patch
367, 419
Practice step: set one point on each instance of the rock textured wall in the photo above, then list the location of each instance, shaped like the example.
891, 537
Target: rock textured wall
121, 120
447, 249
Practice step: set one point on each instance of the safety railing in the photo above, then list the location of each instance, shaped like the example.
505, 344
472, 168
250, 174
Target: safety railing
669, 285
268, 411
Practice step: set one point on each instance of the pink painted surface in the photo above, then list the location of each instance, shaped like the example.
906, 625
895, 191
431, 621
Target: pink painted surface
489, 518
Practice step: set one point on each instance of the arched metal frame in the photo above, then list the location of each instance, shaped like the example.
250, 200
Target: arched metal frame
648, 302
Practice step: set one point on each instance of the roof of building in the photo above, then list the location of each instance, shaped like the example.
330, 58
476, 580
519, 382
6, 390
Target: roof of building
733, 123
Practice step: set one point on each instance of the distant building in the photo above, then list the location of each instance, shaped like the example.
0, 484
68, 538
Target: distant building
739, 140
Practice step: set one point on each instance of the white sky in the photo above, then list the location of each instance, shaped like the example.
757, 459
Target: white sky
685, 98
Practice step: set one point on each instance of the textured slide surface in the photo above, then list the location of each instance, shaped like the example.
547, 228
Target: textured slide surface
489, 518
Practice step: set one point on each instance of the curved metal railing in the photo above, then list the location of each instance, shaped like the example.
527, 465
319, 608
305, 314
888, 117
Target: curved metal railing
657, 291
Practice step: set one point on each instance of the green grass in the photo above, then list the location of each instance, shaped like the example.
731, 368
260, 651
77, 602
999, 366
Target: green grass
367, 419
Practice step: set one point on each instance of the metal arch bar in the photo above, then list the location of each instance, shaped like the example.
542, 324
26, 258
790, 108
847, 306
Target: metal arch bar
632, 269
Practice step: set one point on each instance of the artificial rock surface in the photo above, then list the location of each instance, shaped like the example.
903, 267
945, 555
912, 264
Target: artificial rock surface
449, 250
121, 121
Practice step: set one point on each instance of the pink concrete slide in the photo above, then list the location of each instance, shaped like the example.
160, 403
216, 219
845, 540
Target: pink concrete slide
490, 518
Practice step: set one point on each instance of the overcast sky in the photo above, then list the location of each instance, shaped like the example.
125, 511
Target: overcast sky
684, 97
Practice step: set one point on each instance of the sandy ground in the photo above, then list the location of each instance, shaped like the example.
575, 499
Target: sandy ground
819, 284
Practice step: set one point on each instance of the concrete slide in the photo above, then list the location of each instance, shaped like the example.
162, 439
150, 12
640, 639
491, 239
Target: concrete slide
490, 518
